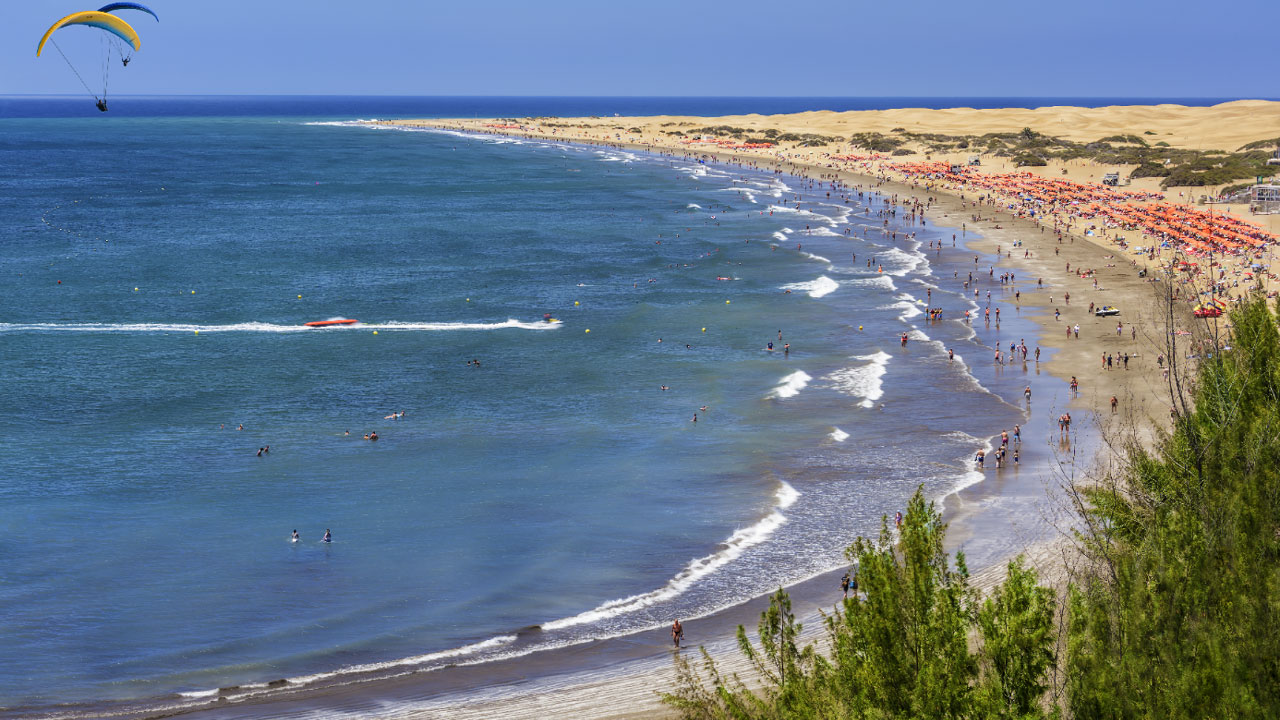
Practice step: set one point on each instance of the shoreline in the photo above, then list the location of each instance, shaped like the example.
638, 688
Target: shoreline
588, 696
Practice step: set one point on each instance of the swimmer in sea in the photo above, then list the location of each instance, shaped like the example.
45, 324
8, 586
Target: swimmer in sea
328, 537
295, 537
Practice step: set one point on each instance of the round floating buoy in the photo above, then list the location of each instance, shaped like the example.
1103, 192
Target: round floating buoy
135, 289
704, 329
375, 332
575, 302
299, 297
59, 282
726, 302
193, 292
197, 332
587, 330
859, 327
468, 299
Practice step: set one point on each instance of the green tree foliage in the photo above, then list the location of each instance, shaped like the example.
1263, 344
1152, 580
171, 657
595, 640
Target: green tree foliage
1180, 615
902, 652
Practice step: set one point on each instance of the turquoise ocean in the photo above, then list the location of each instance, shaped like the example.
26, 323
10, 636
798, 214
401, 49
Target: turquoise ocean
157, 271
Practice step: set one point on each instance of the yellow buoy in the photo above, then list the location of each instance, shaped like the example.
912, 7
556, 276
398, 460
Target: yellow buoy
468, 299
704, 329
197, 332
375, 332
859, 327
575, 302
135, 289
299, 297
588, 330
193, 292
726, 302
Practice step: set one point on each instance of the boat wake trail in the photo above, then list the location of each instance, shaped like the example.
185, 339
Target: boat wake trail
257, 327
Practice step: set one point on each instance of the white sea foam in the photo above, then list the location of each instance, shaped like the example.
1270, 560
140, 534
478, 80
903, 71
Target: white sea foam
863, 381
489, 644
791, 385
811, 256
780, 237
267, 327
693, 206
839, 435
883, 282
816, 288
196, 694
697, 569
899, 263
908, 307
804, 213
749, 193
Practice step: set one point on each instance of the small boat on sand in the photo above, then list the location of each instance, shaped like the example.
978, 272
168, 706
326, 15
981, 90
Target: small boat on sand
328, 323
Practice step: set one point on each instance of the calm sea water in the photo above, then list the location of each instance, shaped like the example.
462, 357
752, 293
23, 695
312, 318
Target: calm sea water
157, 272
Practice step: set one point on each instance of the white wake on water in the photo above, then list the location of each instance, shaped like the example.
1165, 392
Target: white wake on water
267, 327
694, 571
839, 435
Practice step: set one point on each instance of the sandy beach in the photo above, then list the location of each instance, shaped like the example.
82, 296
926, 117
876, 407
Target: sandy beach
1061, 277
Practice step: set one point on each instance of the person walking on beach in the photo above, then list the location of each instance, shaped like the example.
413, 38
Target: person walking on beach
844, 585
897, 520
677, 632
1026, 393
1114, 402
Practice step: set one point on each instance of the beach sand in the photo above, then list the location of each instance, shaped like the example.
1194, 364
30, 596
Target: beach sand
1010, 512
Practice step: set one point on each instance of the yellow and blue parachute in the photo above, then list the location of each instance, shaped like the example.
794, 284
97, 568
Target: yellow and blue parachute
118, 31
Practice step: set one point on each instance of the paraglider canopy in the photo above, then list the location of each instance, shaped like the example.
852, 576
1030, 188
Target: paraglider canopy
104, 21
112, 7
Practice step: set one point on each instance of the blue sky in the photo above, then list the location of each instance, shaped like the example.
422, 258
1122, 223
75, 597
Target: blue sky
1118, 48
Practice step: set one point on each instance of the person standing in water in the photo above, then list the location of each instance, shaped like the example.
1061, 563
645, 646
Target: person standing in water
677, 632
328, 537
295, 537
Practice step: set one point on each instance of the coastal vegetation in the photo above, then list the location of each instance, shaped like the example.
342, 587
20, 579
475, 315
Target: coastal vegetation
1171, 609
